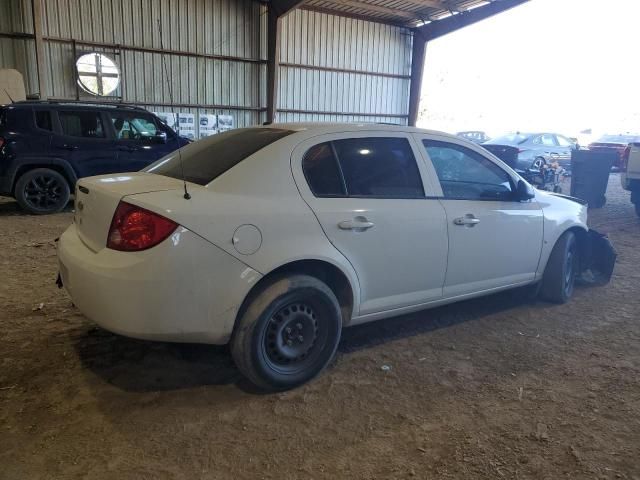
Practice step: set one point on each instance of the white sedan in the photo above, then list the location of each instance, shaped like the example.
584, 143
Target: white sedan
273, 238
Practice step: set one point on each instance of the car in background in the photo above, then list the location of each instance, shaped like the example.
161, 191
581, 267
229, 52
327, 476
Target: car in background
617, 143
474, 136
196, 248
46, 146
535, 150
630, 173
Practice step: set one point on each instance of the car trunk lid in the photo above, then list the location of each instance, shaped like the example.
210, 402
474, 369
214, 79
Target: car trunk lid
97, 198
507, 153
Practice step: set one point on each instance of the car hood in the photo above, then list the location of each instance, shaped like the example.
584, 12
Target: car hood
569, 197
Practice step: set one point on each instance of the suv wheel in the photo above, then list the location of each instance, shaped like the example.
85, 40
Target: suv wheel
288, 333
41, 191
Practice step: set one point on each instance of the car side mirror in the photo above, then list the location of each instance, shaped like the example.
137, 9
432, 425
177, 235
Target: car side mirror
524, 191
160, 137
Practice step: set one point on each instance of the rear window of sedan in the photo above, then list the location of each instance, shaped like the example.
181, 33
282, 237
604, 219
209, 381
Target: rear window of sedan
207, 159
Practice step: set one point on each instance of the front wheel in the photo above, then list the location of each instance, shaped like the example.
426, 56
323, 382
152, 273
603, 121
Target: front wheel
41, 191
288, 333
560, 274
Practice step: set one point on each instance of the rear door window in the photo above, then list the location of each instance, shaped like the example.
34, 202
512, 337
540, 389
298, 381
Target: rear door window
377, 167
321, 169
43, 120
82, 123
207, 159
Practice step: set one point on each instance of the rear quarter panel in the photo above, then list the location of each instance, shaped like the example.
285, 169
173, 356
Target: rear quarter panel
259, 191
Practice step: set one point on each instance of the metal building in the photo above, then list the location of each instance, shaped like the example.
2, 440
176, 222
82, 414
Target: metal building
284, 60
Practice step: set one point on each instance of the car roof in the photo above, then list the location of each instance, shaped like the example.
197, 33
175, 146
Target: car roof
337, 127
73, 105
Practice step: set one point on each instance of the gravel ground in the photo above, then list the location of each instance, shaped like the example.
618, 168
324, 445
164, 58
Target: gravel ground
499, 387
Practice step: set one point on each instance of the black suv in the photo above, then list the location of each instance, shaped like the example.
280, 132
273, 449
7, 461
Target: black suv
46, 146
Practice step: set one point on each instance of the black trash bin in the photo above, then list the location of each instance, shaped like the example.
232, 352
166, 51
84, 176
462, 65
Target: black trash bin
590, 175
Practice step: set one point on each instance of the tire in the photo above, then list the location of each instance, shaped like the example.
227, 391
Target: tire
538, 163
288, 333
41, 191
559, 277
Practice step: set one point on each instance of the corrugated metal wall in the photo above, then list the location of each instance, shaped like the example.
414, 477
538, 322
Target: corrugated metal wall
342, 69
18, 53
212, 51
332, 68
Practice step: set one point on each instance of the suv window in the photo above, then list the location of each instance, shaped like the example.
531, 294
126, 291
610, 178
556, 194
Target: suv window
43, 120
466, 175
209, 158
80, 123
133, 126
380, 167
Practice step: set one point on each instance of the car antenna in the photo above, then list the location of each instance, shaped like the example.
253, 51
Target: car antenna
186, 195
12, 100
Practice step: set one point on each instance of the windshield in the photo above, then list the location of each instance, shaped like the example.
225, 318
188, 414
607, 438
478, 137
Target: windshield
209, 158
510, 139
619, 139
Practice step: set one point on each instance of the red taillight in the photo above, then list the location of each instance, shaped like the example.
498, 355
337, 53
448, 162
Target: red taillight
624, 158
134, 228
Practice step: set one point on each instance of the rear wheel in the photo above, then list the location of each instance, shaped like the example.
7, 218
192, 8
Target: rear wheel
41, 191
559, 277
288, 333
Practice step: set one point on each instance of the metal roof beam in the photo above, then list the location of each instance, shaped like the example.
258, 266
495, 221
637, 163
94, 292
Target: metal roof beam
438, 28
282, 7
371, 8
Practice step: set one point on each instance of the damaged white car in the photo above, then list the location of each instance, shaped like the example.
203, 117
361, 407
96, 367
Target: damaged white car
274, 238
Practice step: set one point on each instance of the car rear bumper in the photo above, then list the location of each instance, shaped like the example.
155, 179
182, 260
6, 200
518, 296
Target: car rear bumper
182, 290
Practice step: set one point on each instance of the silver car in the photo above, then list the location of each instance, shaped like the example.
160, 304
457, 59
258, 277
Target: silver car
537, 149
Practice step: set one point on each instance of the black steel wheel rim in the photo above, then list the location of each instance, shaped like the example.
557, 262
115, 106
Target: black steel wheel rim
44, 192
294, 337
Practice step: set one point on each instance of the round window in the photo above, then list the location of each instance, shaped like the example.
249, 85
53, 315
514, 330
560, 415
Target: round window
97, 74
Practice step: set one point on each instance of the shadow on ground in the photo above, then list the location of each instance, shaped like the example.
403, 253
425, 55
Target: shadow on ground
145, 366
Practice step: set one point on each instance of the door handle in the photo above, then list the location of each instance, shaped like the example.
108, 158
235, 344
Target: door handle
469, 220
66, 146
359, 224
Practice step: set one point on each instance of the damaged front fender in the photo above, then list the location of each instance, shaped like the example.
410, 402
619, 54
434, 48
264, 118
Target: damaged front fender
598, 259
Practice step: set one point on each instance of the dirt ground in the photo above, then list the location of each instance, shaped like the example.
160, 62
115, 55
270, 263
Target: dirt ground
494, 388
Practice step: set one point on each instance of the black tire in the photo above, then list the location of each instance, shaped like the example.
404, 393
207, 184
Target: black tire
41, 191
288, 332
559, 277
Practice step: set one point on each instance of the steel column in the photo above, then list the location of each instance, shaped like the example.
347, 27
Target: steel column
277, 10
417, 68
273, 57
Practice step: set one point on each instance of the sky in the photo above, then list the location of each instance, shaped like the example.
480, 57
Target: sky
554, 65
